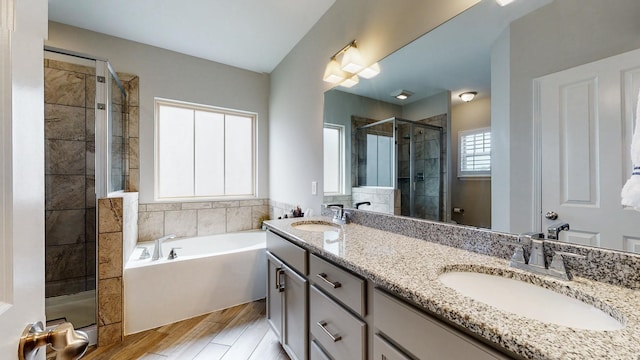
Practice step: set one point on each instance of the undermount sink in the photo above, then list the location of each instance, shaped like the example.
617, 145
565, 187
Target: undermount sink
530, 301
318, 226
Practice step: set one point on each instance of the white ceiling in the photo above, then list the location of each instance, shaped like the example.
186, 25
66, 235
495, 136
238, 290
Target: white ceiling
250, 34
456, 56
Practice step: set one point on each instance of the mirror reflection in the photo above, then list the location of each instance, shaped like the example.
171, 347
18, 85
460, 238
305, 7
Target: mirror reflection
429, 154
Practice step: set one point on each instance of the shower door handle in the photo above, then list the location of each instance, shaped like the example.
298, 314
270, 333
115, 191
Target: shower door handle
68, 343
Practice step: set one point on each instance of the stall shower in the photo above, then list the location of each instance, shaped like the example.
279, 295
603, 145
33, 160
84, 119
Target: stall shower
406, 155
84, 159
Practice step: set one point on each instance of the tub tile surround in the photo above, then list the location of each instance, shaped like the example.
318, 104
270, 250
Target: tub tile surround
117, 236
411, 266
199, 218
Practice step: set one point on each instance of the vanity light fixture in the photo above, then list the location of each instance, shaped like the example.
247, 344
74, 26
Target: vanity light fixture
350, 82
504, 2
351, 67
401, 94
468, 96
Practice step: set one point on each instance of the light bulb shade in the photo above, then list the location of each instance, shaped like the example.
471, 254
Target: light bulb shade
352, 60
468, 96
350, 82
504, 2
332, 73
370, 71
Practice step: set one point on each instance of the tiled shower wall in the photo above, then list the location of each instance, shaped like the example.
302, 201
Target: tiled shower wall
431, 188
70, 171
69, 178
431, 172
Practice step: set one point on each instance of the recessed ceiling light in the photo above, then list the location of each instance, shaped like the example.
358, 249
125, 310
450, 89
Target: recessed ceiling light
401, 94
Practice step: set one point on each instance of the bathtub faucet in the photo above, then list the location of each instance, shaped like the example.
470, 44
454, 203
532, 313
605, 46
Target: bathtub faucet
157, 249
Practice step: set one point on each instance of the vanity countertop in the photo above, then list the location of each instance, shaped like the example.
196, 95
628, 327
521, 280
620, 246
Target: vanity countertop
410, 268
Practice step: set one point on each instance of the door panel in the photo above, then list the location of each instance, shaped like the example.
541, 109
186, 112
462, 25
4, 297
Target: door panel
296, 333
274, 296
586, 122
23, 26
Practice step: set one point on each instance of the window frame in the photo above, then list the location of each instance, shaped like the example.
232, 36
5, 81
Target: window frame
341, 155
158, 102
473, 174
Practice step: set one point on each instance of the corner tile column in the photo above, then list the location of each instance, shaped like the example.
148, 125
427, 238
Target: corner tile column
110, 269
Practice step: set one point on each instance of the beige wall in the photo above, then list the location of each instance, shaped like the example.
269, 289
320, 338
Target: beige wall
171, 75
296, 96
472, 195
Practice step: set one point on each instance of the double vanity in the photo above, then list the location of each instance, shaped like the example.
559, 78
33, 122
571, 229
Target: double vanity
359, 292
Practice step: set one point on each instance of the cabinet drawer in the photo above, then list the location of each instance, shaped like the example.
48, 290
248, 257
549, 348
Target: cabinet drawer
344, 286
382, 350
327, 319
290, 253
424, 336
316, 352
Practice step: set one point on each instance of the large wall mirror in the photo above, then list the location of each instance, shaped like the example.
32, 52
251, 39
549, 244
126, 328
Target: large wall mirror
434, 156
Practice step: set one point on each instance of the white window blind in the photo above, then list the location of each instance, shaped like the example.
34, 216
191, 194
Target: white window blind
333, 138
203, 151
475, 152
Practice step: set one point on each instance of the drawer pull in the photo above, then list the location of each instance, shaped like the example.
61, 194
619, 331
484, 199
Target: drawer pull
334, 285
323, 325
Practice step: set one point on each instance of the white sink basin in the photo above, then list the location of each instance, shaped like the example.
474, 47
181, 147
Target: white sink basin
315, 226
528, 300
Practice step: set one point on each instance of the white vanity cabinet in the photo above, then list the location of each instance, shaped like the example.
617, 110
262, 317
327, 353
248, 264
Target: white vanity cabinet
287, 295
419, 334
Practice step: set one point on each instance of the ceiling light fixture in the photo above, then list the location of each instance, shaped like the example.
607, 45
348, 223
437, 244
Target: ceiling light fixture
346, 72
504, 2
401, 94
468, 96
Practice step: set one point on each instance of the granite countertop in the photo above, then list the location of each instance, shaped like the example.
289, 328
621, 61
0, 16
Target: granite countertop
410, 268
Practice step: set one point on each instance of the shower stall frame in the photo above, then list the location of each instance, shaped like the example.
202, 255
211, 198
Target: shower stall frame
412, 165
103, 134
103, 107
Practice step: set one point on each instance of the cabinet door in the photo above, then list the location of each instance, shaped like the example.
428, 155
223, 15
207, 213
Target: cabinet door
275, 282
317, 353
382, 350
296, 326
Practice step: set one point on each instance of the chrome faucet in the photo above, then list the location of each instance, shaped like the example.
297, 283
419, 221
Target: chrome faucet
553, 231
340, 216
157, 249
537, 263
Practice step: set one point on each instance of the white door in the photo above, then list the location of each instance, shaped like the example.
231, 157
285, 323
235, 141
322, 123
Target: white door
23, 27
586, 121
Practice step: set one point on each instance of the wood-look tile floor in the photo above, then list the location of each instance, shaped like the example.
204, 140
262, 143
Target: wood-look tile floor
237, 333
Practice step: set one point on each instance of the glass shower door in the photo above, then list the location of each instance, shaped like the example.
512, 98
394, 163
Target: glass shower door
420, 164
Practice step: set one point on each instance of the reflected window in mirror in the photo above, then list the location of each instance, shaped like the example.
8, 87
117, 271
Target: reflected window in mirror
334, 153
475, 153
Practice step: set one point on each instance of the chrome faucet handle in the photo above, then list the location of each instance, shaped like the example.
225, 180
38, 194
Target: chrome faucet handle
173, 253
536, 255
558, 265
145, 253
518, 256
